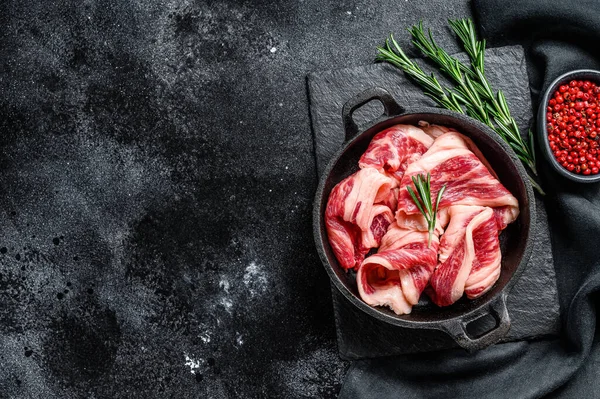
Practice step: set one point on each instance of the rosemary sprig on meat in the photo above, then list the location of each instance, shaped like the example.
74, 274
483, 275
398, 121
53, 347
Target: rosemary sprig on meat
423, 201
472, 89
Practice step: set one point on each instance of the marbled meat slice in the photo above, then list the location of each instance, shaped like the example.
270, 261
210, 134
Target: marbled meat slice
467, 178
393, 149
356, 217
436, 131
398, 273
486, 265
469, 255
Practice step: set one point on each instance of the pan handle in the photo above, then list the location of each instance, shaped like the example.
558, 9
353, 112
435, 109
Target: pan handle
390, 107
457, 328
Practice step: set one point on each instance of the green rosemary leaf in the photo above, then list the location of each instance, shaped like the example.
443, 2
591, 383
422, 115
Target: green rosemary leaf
417, 181
415, 199
427, 191
503, 103
439, 197
531, 145
423, 187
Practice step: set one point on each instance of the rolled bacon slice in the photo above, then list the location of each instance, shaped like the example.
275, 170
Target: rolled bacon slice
436, 131
393, 149
357, 217
399, 272
469, 255
468, 178
487, 263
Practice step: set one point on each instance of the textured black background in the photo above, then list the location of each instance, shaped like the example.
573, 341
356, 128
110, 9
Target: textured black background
157, 174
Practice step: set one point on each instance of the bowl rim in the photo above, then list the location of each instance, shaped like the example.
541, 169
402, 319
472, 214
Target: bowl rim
374, 311
542, 125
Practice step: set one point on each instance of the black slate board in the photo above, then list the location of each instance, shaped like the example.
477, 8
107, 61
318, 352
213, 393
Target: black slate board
533, 302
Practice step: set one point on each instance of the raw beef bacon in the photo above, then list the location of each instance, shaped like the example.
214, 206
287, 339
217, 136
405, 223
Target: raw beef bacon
399, 272
469, 255
393, 149
476, 205
435, 131
358, 215
468, 181
464, 255
486, 265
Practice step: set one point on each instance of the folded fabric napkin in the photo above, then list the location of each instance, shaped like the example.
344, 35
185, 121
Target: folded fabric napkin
558, 36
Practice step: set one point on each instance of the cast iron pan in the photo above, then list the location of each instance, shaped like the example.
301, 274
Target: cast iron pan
516, 240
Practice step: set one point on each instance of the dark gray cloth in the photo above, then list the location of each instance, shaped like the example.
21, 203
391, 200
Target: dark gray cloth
559, 36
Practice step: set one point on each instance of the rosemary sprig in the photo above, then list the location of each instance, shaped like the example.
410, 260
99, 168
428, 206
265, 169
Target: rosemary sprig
498, 107
472, 90
429, 83
423, 202
456, 70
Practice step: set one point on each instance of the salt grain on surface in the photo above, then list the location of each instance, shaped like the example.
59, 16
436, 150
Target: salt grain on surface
205, 338
192, 364
224, 284
239, 339
255, 278
227, 304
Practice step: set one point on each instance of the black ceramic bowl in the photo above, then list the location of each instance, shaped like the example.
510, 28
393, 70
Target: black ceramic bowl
542, 125
516, 239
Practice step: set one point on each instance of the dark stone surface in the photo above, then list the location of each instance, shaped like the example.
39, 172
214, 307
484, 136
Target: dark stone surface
533, 302
156, 192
